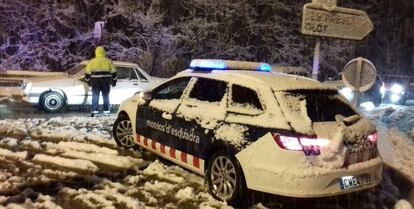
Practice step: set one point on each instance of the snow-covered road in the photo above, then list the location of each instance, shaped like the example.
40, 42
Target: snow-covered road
72, 162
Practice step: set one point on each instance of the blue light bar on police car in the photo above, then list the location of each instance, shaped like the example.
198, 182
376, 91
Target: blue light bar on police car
216, 64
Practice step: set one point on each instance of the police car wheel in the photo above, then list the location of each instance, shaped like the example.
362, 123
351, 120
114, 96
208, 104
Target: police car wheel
123, 132
225, 179
52, 102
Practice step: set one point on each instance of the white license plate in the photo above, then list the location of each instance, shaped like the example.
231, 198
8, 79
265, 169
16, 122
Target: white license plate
348, 182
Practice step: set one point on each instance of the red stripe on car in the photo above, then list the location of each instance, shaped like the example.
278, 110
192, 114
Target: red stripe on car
138, 139
163, 149
184, 157
146, 141
172, 152
154, 145
196, 162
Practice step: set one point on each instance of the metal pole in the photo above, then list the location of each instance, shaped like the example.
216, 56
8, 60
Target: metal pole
316, 59
357, 93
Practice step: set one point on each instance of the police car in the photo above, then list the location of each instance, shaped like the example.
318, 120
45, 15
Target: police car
243, 127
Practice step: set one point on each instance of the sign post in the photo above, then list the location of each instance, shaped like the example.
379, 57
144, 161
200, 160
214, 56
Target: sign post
359, 75
97, 31
328, 20
324, 19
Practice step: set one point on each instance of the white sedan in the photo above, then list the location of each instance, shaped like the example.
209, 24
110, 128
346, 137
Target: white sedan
55, 92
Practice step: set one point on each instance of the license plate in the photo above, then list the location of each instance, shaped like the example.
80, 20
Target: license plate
348, 182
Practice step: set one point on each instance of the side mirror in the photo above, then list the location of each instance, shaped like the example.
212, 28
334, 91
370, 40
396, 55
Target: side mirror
145, 95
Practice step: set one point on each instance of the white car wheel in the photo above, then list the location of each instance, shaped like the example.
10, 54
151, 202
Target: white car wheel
52, 102
123, 132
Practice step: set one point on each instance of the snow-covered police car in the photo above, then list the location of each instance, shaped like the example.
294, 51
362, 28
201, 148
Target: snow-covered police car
245, 127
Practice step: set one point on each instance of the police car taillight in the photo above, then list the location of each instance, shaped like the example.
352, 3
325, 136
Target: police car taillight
216, 64
310, 146
373, 138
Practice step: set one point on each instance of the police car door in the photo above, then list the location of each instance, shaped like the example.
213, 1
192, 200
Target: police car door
155, 118
202, 109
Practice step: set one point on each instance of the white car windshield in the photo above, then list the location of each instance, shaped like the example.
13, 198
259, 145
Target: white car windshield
76, 69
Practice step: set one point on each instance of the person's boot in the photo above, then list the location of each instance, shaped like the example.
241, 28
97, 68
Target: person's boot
94, 114
106, 113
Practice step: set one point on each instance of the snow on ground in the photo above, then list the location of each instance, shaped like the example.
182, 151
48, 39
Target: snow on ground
73, 162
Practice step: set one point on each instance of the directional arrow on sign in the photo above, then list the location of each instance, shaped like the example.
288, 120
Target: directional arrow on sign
324, 18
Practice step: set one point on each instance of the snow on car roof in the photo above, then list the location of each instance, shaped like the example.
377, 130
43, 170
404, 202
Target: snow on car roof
277, 81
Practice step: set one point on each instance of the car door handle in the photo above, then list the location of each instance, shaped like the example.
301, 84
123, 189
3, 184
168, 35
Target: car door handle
135, 84
166, 116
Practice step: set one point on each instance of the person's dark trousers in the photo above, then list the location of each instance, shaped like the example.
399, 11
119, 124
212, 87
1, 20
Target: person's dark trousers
100, 85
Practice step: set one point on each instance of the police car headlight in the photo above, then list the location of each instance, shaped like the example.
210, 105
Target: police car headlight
347, 93
397, 89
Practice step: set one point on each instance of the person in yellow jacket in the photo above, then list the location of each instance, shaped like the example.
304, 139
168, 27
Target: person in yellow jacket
100, 74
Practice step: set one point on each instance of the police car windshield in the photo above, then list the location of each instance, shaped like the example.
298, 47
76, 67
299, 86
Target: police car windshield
321, 105
75, 70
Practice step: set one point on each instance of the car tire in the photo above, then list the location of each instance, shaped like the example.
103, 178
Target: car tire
52, 102
225, 179
123, 132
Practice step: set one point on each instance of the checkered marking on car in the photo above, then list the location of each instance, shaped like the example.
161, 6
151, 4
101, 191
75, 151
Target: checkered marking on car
189, 161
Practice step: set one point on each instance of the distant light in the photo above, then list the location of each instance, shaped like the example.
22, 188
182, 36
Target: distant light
347, 93
369, 106
201, 64
383, 90
265, 67
395, 98
397, 88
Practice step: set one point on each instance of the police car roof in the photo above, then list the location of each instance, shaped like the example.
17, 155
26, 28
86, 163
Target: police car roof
277, 81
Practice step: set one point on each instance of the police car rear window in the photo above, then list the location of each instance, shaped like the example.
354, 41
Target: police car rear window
322, 105
208, 90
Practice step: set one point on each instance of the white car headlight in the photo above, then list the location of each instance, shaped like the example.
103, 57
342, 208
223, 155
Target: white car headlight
347, 92
397, 88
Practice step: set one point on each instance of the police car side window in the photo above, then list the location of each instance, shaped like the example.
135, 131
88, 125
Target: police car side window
245, 98
208, 90
171, 90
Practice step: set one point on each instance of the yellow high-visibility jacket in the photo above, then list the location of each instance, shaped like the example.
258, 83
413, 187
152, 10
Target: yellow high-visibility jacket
100, 66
